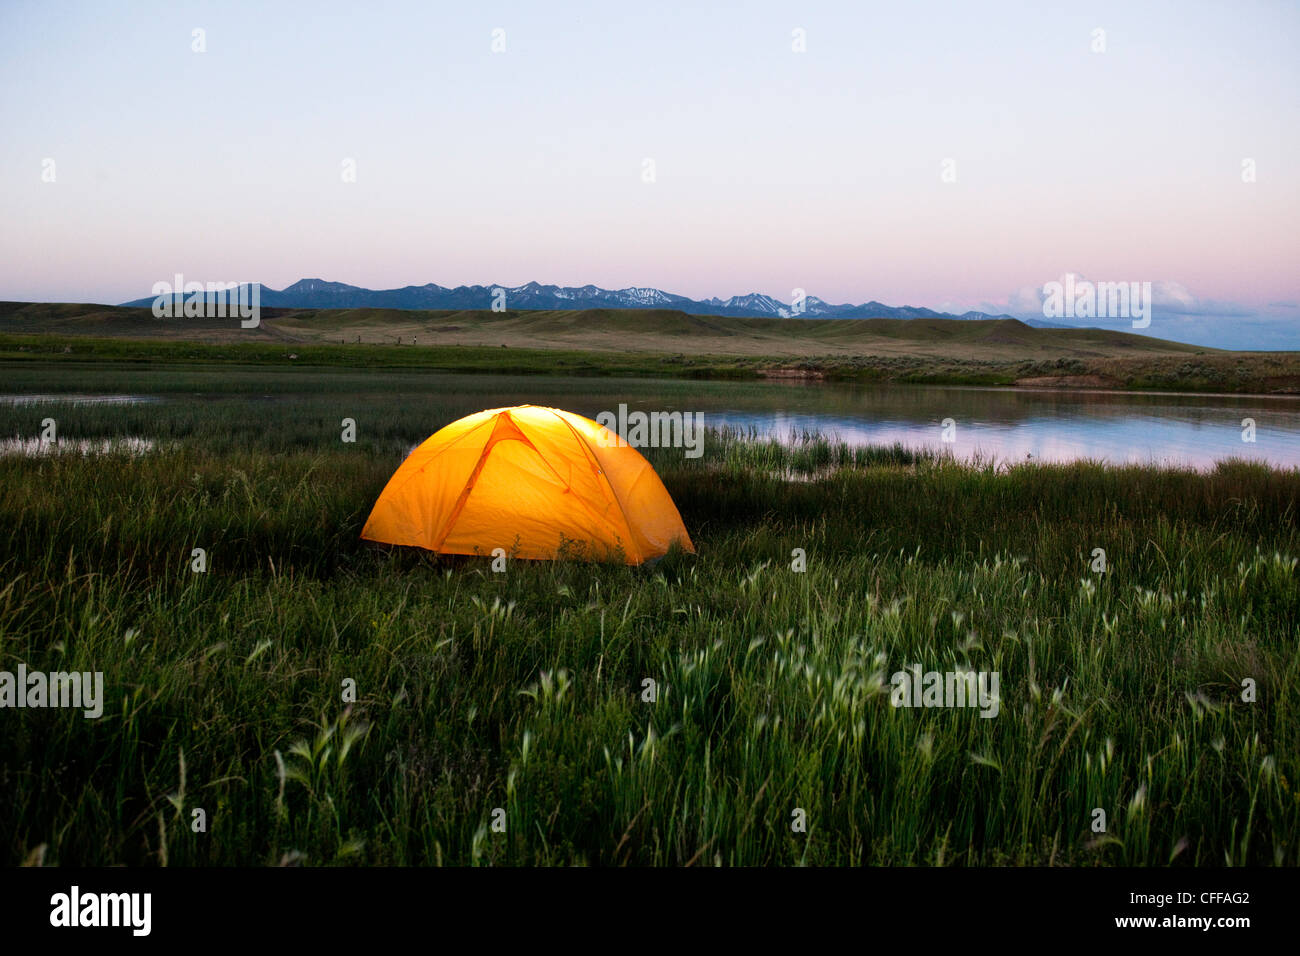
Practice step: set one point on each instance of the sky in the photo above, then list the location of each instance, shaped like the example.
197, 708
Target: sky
950, 155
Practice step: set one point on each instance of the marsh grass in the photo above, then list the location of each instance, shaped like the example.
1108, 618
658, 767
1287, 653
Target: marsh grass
523, 691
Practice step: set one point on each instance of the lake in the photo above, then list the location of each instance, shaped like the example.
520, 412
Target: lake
1051, 425
1002, 424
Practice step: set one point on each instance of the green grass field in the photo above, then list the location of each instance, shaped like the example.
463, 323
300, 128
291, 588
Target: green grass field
523, 691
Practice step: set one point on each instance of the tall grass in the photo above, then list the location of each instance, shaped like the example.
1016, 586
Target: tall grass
523, 691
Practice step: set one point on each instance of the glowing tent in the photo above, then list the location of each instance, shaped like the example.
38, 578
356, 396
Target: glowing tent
538, 482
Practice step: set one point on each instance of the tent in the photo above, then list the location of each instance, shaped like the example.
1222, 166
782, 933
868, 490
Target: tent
540, 483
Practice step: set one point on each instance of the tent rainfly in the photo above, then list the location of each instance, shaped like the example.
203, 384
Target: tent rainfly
540, 483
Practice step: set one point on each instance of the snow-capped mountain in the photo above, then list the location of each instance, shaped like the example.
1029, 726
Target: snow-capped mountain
321, 294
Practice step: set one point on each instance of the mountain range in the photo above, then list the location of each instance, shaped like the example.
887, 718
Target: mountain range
320, 294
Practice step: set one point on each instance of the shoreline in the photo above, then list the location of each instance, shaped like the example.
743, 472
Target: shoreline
26, 350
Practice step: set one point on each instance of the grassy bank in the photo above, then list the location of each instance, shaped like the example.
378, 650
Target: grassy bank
522, 690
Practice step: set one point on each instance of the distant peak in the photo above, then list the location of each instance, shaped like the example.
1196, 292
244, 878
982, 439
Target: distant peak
317, 293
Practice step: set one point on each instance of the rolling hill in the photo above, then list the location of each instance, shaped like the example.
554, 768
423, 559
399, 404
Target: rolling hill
648, 341
602, 330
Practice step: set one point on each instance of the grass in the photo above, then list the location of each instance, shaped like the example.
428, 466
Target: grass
523, 691
17, 349
656, 342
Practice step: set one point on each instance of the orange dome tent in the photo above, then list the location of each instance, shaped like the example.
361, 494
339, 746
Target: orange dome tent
539, 482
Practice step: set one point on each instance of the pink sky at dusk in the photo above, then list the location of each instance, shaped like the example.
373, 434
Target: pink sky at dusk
774, 169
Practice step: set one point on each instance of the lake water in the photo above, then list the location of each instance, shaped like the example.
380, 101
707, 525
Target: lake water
77, 399
34, 447
1001, 424
1041, 424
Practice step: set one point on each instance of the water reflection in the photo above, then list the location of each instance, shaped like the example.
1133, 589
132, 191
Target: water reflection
1019, 424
